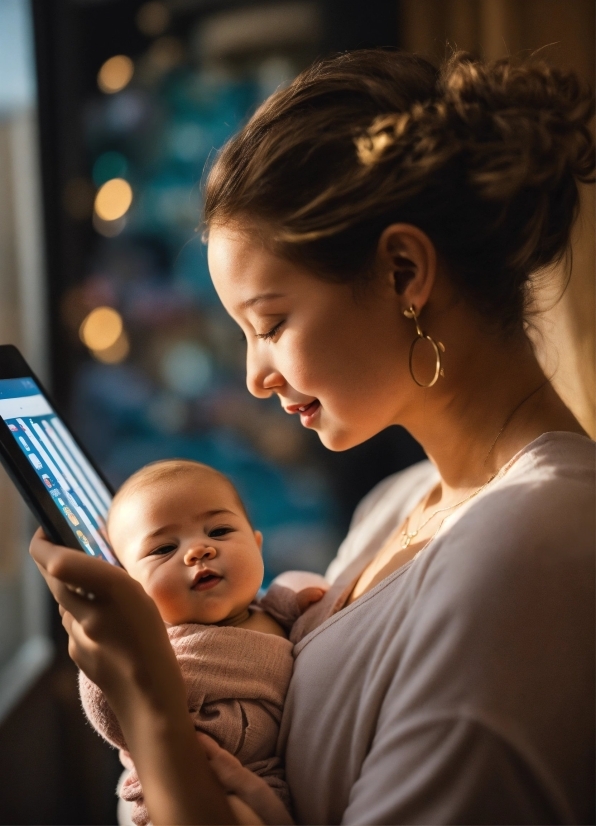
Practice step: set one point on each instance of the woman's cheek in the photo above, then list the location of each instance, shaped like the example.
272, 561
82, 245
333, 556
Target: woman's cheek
301, 365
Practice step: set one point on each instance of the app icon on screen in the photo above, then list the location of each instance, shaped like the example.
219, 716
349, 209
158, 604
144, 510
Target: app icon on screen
46, 480
14, 428
24, 443
35, 461
70, 516
85, 541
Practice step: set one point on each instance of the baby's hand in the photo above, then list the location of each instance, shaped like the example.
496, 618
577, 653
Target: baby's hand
291, 593
308, 587
308, 596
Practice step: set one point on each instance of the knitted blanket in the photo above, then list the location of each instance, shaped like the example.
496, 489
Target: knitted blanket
236, 681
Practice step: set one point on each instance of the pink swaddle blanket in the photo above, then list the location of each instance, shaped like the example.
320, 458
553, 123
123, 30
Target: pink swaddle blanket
236, 682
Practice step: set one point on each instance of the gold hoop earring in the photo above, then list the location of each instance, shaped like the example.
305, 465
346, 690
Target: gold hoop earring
438, 347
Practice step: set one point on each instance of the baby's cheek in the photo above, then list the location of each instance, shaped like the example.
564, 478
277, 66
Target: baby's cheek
248, 579
165, 593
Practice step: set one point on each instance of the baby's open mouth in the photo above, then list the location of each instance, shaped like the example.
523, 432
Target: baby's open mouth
206, 580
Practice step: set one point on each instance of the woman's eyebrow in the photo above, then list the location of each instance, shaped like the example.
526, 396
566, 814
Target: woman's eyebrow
262, 297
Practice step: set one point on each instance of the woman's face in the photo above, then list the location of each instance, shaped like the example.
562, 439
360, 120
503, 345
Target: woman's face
336, 359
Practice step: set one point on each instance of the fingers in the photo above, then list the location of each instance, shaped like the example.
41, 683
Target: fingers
66, 569
252, 790
209, 744
307, 596
230, 771
72, 598
245, 816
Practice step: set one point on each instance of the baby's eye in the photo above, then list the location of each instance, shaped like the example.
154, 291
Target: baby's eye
162, 550
215, 532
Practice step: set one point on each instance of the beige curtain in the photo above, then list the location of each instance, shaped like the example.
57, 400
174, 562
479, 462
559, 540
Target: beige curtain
564, 30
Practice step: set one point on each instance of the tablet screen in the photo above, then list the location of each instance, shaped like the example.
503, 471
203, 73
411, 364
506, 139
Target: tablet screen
78, 492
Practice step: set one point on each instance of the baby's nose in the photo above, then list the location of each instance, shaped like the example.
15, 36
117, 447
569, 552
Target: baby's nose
198, 552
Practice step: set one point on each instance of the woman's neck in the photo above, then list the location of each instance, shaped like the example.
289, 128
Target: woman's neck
495, 404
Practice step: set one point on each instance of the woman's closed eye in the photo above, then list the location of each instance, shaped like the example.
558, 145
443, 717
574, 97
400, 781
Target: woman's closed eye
271, 333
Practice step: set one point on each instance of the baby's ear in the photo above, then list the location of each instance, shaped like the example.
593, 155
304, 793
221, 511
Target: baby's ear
259, 540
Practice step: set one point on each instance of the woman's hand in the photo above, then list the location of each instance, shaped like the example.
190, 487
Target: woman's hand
117, 637
251, 799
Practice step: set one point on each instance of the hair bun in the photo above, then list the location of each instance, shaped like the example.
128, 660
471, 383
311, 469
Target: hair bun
522, 126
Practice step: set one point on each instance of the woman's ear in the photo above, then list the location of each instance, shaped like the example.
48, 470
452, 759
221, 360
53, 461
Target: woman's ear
259, 540
407, 256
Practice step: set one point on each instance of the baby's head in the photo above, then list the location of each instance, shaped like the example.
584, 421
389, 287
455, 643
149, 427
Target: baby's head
180, 529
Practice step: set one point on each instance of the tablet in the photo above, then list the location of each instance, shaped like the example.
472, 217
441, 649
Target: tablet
54, 474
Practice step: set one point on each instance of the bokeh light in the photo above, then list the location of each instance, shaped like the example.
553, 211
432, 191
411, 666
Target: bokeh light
186, 369
116, 353
115, 74
152, 19
101, 329
109, 229
113, 199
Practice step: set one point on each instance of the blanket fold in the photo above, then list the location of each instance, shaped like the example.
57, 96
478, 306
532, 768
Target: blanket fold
236, 681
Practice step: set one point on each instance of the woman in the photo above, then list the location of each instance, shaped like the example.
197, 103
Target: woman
375, 231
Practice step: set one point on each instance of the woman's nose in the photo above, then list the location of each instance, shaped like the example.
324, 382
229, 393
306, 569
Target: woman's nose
199, 552
262, 379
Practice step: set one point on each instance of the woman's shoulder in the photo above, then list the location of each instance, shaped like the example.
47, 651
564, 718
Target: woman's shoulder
535, 526
558, 455
549, 483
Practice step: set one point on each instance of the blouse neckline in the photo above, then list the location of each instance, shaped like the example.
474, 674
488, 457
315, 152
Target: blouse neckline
340, 609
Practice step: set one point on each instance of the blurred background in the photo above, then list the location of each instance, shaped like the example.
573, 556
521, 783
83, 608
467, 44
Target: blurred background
109, 110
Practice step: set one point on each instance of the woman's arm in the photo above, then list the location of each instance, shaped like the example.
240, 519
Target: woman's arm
119, 640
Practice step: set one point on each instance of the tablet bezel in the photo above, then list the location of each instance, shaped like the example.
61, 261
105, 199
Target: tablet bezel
30, 486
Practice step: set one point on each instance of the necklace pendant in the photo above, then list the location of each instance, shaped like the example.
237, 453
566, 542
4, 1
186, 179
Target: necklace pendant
407, 538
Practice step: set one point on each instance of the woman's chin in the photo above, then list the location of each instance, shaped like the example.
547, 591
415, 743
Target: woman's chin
338, 439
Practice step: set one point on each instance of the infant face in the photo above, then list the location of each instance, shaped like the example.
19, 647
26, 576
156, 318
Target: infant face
186, 539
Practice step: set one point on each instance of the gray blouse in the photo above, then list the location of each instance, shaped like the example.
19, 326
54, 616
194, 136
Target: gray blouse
460, 689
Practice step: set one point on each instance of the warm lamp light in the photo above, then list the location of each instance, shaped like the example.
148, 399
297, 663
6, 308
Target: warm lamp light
115, 74
116, 353
113, 199
101, 329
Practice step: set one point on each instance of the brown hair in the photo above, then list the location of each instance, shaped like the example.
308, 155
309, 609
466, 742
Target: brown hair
483, 157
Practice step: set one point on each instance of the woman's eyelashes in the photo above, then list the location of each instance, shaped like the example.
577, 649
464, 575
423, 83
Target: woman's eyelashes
271, 333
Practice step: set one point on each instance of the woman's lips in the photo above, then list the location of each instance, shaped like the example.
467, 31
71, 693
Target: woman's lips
206, 581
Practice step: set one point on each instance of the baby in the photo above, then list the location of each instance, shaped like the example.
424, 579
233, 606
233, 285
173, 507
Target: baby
180, 529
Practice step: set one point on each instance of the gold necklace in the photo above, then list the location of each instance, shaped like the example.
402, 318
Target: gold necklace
408, 536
